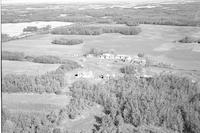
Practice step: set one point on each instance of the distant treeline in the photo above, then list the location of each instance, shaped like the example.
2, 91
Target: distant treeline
45, 29
64, 41
166, 14
51, 82
95, 30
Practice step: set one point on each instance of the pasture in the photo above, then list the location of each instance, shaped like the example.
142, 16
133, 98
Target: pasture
29, 68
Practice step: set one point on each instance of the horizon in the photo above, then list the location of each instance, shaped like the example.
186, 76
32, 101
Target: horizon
5, 2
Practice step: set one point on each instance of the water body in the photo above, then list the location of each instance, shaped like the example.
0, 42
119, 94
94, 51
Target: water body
15, 29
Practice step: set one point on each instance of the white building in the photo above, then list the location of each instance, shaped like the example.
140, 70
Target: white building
107, 56
125, 58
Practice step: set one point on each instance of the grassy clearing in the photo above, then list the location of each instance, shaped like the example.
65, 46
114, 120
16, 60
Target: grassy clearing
29, 68
40, 45
34, 102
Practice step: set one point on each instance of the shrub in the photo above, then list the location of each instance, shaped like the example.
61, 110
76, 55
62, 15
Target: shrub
29, 58
18, 56
140, 55
189, 40
95, 52
63, 41
30, 29
6, 37
131, 69
68, 65
47, 59
131, 23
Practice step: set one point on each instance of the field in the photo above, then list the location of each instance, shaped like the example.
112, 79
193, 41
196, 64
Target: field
43, 103
29, 68
156, 40
41, 45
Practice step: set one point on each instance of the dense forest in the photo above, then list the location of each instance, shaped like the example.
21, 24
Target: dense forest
166, 103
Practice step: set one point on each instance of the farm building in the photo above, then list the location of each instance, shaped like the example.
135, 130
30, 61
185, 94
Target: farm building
124, 58
89, 55
107, 56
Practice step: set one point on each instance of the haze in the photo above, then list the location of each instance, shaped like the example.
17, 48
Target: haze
86, 1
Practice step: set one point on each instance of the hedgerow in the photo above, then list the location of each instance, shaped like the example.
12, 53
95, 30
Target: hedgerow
47, 59
64, 41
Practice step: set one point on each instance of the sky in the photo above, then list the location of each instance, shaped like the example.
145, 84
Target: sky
81, 1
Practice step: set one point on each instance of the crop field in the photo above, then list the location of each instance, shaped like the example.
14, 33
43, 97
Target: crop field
29, 68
